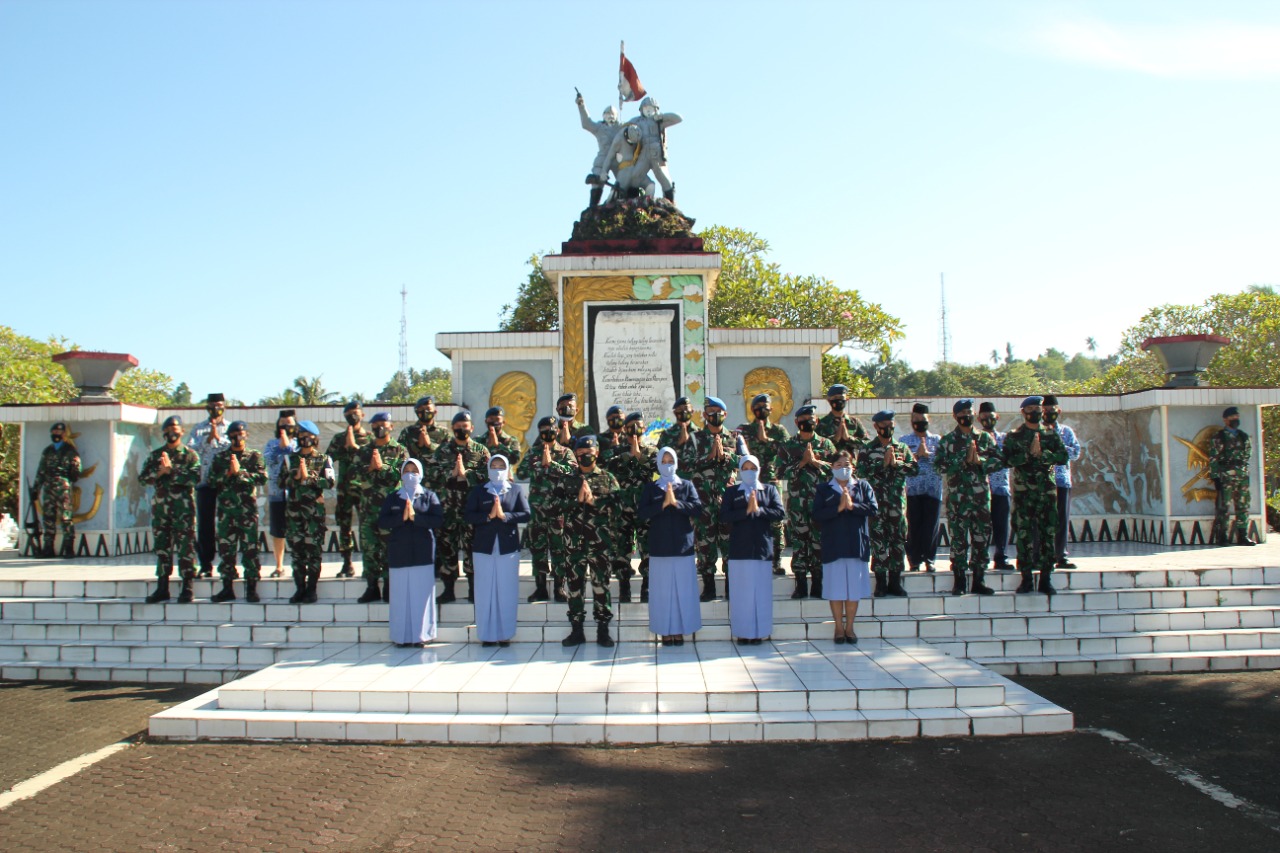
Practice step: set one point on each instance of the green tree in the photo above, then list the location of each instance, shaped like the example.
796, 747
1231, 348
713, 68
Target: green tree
181, 395
436, 382
285, 399
311, 391
536, 308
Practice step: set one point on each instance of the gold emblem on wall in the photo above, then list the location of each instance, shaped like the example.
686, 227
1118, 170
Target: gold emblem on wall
772, 381
1200, 487
578, 291
517, 393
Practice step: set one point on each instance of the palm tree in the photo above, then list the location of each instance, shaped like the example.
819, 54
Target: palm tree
995, 357
1008, 353
1091, 344
311, 391
1263, 289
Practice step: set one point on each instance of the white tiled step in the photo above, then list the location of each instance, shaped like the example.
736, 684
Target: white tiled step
124, 653
1197, 661
155, 673
1085, 645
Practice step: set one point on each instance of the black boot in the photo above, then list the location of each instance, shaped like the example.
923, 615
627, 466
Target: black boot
802, 587
1242, 538
958, 582
447, 595
299, 587
46, 552
895, 584
69, 547
708, 588
644, 590
161, 591
540, 571
1045, 586
227, 593
978, 587
251, 591
309, 594
815, 587
576, 636
371, 593
188, 592
624, 590
1026, 585
559, 593
347, 570
882, 585
602, 635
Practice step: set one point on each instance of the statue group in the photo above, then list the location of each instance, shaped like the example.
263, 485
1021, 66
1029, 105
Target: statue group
633, 153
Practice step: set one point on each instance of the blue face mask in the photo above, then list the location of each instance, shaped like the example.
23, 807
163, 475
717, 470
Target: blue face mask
57, 445
667, 469
749, 478
843, 474
410, 482
498, 476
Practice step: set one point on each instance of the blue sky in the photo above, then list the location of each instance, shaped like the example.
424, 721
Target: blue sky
235, 191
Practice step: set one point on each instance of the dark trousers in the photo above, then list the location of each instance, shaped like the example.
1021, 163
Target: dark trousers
1064, 524
922, 528
206, 525
1000, 524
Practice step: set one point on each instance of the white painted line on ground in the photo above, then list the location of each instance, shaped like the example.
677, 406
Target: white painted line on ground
1188, 776
65, 770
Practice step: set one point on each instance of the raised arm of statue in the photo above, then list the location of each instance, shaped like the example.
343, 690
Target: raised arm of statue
669, 119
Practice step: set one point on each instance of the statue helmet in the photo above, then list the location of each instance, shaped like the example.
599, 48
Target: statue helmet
631, 133
610, 114
649, 103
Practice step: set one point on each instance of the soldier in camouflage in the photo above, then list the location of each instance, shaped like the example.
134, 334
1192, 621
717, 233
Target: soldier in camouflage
498, 440
174, 471
343, 450
58, 470
1230, 454
1032, 451
570, 428
845, 431
456, 466
377, 474
612, 444
682, 436
585, 494
765, 441
966, 457
544, 534
805, 462
633, 468
715, 470
886, 463
423, 436
306, 475
236, 474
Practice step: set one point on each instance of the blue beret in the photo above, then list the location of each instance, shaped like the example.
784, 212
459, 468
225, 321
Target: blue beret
564, 398
172, 420
613, 410
588, 441
837, 389
238, 425
633, 417
462, 415
714, 402
961, 405
1229, 411
494, 411
680, 401
1033, 400
380, 417
62, 426
759, 399
422, 401
805, 410
883, 415
352, 406
548, 421
308, 426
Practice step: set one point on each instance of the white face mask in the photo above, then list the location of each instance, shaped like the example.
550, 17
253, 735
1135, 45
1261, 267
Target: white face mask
410, 481
497, 476
843, 474
749, 478
667, 469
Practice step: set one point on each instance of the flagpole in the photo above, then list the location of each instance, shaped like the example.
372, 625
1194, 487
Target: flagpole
622, 51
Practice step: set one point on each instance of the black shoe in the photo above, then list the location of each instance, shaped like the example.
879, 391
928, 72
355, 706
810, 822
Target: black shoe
299, 589
488, 644
742, 641
1065, 564
602, 636
958, 583
227, 593
779, 571
504, 643
309, 594
1001, 565
708, 588
1242, 538
1045, 586
1026, 585
347, 570
928, 566
161, 592
882, 586
447, 595
679, 641
624, 590
757, 641
539, 591
895, 585
978, 587
576, 637
839, 640
371, 593
851, 639
188, 591
913, 567
206, 572
644, 590
251, 591
802, 587
559, 595
815, 587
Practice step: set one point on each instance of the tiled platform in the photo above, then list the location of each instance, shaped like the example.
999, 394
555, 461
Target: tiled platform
633, 693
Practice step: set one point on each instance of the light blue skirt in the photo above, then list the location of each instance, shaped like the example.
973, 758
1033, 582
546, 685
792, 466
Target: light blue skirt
751, 601
673, 596
497, 581
846, 580
411, 613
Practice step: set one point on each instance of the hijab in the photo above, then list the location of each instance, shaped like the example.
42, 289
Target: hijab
500, 486
411, 484
743, 461
671, 478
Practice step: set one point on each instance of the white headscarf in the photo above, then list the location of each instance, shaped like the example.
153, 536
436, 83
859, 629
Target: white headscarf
674, 479
404, 492
498, 491
743, 461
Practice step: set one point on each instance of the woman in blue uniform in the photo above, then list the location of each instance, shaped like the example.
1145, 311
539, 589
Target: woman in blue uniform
751, 508
670, 504
495, 510
841, 508
410, 515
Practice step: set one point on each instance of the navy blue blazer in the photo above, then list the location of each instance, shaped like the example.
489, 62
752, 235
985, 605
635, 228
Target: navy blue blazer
749, 535
476, 513
411, 544
842, 535
670, 528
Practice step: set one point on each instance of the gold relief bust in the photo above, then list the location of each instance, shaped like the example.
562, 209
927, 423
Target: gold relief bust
772, 381
517, 393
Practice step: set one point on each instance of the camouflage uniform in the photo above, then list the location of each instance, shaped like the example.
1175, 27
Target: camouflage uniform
304, 511
436, 436
1229, 458
1035, 496
767, 451
889, 525
454, 536
59, 468
349, 496
173, 509
630, 532
238, 510
802, 482
968, 497
857, 434
508, 446
687, 453
373, 487
586, 540
544, 534
711, 477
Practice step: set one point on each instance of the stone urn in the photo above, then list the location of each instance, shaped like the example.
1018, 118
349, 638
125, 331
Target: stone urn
1185, 357
95, 373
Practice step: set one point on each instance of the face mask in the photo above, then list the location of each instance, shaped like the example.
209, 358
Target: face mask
291, 431
214, 414
461, 433
427, 418
1051, 417
920, 426
684, 417
615, 423
547, 436
805, 426
837, 405
57, 443
172, 437
308, 440
1033, 417
237, 440
636, 431
989, 423
586, 460
352, 418
497, 476
965, 420
565, 414
843, 474
884, 431
749, 478
1234, 423
381, 432
667, 469
497, 427
762, 414
410, 481
715, 418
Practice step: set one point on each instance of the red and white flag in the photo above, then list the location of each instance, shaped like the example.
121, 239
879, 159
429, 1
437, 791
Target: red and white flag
629, 86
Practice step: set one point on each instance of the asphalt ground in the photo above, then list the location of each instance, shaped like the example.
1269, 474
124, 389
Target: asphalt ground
1078, 791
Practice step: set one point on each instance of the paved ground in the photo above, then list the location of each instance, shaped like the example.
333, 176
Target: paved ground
1069, 792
